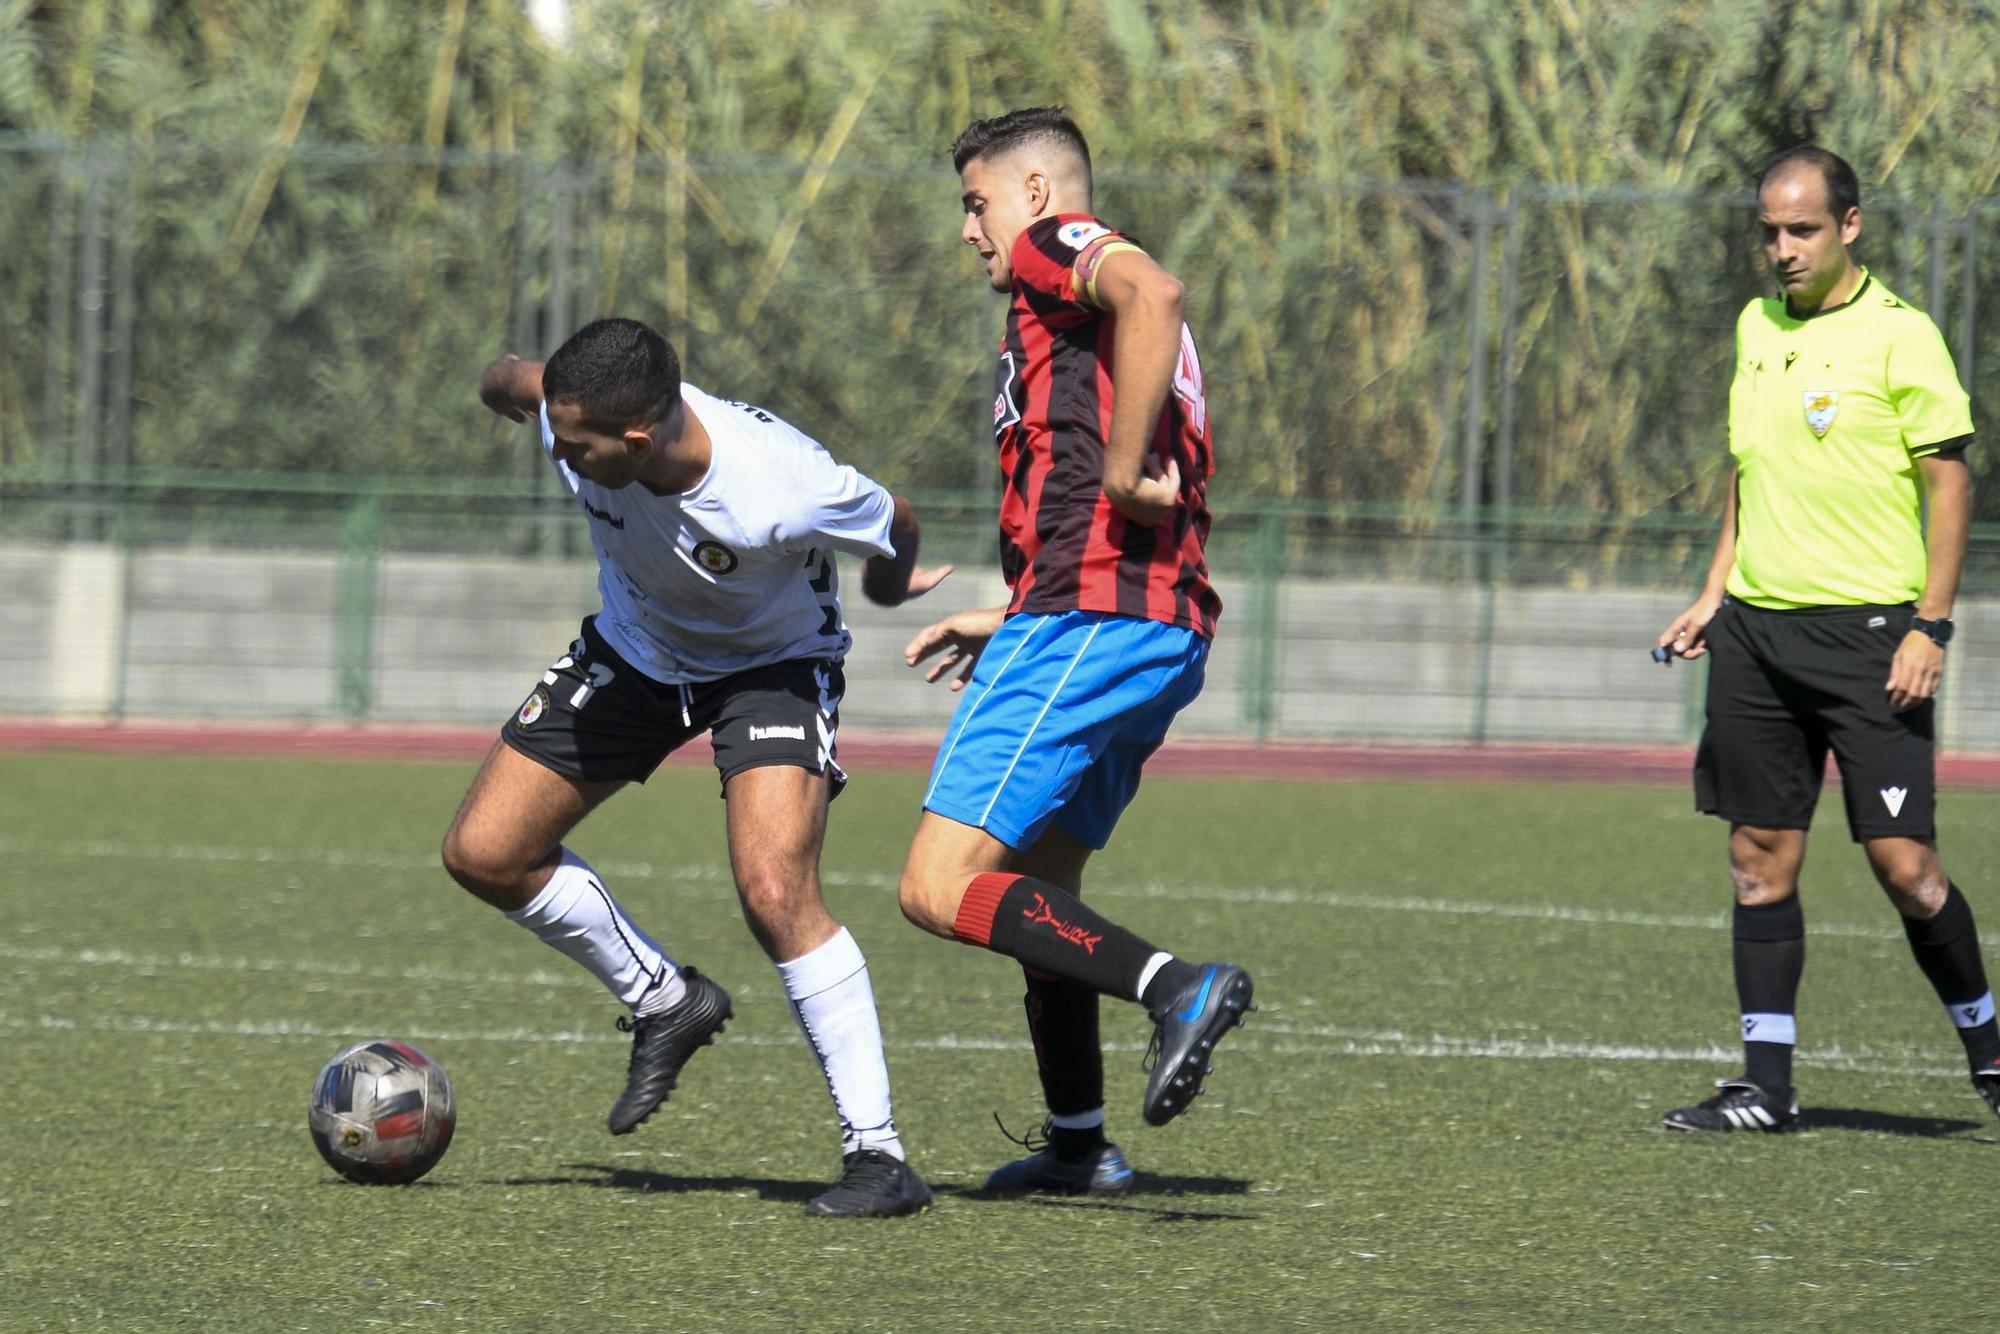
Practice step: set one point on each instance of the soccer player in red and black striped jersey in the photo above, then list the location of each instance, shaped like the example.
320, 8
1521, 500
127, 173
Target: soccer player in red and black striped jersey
1104, 443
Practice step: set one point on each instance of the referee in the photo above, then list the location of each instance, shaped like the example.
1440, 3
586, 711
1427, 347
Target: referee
1827, 612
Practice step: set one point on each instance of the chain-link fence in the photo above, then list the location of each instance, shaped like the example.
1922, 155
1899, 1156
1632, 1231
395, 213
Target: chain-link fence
1406, 343
1471, 443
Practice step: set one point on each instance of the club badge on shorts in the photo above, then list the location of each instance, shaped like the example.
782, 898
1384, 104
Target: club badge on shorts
1820, 406
532, 708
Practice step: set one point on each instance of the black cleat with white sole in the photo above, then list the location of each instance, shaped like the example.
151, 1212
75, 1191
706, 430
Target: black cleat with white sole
1737, 1104
1187, 1025
661, 1045
872, 1184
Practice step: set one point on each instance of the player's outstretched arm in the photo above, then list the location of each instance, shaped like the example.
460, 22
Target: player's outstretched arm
1687, 635
890, 581
1150, 304
512, 387
960, 638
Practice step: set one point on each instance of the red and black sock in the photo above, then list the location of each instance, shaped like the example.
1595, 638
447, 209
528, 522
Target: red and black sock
1051, 930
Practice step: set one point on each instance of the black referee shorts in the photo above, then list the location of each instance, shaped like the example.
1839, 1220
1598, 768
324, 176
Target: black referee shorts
595, 717
1783, 688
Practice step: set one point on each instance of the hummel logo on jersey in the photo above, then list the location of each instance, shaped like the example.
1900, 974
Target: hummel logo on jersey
1892, 797
601, 516
777, 733
1006, 410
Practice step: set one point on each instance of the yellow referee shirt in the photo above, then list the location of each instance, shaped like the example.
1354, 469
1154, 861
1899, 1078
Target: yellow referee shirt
1828, 416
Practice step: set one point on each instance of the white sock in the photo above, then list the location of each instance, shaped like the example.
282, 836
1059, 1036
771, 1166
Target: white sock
835, 1006
1089, 1120
576, 914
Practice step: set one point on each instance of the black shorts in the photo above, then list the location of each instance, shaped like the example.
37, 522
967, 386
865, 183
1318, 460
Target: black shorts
596, 718
1783, 687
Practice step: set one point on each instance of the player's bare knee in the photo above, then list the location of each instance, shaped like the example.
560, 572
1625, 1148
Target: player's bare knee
922, 903
773, 895
475, 868
1761, 880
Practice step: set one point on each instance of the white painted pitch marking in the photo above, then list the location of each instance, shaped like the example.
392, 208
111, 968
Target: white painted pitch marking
1274, 1040
707, 874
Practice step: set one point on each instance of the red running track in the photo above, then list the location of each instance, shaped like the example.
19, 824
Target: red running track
1326, 762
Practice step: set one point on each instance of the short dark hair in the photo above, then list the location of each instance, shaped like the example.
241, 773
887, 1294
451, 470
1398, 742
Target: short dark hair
1843, 187
1003, 134
619, 372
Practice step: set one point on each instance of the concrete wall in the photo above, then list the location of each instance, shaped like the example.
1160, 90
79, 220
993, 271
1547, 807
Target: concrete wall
90, 630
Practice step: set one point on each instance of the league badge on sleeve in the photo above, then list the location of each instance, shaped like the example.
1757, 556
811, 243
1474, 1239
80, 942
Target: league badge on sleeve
1820, 405
1077, 235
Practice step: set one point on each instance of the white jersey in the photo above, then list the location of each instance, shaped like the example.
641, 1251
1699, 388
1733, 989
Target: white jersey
737, 571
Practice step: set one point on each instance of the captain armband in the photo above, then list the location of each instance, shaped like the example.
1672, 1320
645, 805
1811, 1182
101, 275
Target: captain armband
1092, 259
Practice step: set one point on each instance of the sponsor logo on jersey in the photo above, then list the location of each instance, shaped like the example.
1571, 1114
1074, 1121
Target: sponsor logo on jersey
1820, 405
777, 733
714, 557
1077, 235
602, 516
1006, 408
532, 708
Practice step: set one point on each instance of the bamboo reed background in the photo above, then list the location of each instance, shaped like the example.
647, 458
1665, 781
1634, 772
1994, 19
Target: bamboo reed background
1444, 258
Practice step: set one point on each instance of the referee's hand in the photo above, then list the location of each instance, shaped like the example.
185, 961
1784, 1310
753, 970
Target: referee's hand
1914, 672
1686, 636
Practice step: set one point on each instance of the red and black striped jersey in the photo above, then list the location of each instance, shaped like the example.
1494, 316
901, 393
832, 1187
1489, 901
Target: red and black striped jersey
1063, 546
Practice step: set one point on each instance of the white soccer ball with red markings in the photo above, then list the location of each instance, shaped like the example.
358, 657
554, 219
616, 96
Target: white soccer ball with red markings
381, 1113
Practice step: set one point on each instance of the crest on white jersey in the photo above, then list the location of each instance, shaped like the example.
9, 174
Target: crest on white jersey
715, 557
1892, 797
1820, 405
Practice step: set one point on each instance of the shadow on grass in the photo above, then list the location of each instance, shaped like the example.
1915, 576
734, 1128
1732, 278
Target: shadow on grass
798, 1192
1885, 1123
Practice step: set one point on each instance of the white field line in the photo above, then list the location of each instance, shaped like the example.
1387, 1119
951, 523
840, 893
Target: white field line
1263, 896
1270, 1039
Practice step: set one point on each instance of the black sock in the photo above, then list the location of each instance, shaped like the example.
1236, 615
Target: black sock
1770, 953
1947, 949
1049, 929
1062, 1021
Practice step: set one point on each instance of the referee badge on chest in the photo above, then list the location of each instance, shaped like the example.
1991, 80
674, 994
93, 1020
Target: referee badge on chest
1820, 405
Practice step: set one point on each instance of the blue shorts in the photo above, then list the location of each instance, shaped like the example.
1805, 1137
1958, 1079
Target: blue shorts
1059, 717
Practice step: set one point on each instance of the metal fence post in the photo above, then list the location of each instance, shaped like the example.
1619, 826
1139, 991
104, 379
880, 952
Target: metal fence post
1472, 462
88, 418
124, 303
1968, 294
1942, 233
1267, 566
56, 337
354, 600
1510, 374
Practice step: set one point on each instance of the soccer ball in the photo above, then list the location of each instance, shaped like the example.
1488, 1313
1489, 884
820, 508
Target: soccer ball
381, 1113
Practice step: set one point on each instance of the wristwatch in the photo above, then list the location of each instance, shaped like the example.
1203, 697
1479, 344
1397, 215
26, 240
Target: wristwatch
1939, 630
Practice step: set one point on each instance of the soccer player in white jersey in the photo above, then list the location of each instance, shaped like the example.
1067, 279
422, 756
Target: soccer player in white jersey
715, 526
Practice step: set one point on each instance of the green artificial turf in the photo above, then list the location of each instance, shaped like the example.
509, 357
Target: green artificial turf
1476, 1001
